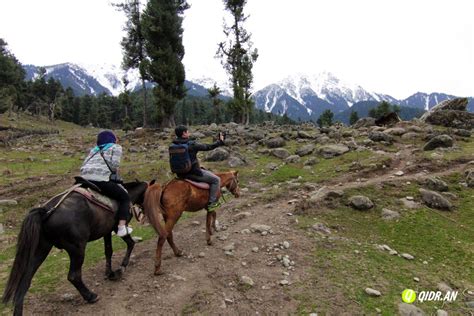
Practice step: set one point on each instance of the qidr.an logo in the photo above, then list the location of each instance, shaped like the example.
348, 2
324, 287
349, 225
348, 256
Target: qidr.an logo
409, 296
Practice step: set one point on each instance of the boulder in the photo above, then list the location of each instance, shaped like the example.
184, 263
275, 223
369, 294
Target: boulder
305, 150
303, 134
281, 153
439, 141
470, 178
435, 200
380, 137
235, 162
450, 113
275, 142
360, 202
436, 184
292, 159
330, 151
364, 122
218, 154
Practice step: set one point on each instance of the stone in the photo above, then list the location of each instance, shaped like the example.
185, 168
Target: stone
329, 151
292, 159
320, 227
405, 309
218, 154
235, 162
305, 150
271, 166
380, 137
399, 173
275, 142
8, 202
360, 202
303, 134
441, 312
229, 247
255, 249
407, 256
436, 184
286, 245
202, 255
389, 214
397, 131
364, 122
444, 141
470, 178
416, 279
259, 228
435, 200
2, 230
284, 282
246, 280
281, 153
372, 292
443, 287
311, 161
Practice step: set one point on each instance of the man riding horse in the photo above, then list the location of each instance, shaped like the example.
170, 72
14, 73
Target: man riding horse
184, 162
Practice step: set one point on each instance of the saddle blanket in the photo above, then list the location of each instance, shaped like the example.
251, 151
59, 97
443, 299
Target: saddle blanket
97, 198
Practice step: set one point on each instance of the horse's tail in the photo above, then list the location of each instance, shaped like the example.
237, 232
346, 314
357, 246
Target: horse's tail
154, 210
27, 244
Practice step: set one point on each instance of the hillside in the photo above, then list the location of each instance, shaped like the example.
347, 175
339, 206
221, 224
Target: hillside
297, 241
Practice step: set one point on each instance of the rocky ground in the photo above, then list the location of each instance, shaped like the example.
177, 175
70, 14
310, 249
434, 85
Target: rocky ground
331, 221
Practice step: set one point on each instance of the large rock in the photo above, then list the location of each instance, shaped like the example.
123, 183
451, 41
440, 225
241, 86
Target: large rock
380, 137
218, 154
436, 184
470, 178
439, 141
305, 150
364, 122
435, 200
303, 134
330, 151
235, 162
360, 202
275, 142
450, 113
405, 309
281, 153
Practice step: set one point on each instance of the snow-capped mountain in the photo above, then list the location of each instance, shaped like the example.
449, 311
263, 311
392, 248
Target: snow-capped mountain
208, 83
307, 96
300, 97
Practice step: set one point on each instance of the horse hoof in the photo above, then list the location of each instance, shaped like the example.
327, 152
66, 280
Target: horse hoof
179, 253
159, 272
209, 242
94, 298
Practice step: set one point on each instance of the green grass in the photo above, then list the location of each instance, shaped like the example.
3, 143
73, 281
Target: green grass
447, 245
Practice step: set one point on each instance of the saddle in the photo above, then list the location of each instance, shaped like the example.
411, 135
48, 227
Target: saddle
91, 192
201, 185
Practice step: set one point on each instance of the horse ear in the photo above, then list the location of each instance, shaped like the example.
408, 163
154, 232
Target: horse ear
236, 172
152, 182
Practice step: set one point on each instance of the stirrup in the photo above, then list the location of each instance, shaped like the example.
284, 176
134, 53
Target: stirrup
212, 207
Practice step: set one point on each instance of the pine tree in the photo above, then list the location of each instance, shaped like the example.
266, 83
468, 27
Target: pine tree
238, 58
163, 34
353, 118
11, 78
216, 102
325, 119
133, 46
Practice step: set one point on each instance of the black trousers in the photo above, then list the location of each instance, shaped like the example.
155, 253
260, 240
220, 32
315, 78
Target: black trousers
116, 192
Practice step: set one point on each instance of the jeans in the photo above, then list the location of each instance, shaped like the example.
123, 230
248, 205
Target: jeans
114, 191
208, 177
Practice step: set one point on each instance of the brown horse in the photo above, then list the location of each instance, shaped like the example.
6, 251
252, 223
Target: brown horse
164, 205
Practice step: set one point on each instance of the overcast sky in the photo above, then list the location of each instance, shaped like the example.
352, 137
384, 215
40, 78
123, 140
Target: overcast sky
397, 47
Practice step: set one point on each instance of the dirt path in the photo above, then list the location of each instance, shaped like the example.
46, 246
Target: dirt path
206, 280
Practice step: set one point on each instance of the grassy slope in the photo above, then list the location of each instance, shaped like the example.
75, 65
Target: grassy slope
444, 244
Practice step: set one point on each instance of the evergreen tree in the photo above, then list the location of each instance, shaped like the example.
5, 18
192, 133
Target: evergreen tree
163, 34
353, 118
11, 78
133, 46
238, 58
216, 102
325, 119
383, 109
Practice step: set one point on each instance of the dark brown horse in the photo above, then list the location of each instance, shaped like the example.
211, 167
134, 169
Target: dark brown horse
164, 205
74, 223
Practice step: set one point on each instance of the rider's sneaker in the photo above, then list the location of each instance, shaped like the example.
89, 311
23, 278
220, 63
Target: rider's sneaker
123, 231
211, 207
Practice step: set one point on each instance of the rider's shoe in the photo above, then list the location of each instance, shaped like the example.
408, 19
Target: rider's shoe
213, 206
123, 231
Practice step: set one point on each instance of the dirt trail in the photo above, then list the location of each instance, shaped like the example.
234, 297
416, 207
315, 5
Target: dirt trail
209, 284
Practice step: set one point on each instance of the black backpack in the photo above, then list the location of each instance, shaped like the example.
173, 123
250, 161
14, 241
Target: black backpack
180, 161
